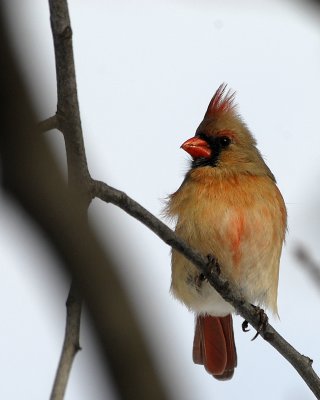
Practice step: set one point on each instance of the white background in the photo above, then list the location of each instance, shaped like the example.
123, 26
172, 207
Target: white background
146, 72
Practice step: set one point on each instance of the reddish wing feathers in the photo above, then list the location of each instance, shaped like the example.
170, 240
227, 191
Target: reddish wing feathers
214, 346
221, 102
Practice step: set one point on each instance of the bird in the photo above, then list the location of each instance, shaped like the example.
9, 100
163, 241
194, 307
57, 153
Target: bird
228, 206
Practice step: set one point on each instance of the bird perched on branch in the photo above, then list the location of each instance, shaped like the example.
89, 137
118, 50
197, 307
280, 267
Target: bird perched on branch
228, 206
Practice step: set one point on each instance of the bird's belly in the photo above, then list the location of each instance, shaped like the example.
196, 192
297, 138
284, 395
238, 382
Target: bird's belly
188, 287
245, 245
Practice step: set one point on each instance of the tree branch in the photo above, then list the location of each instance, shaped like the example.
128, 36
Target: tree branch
48, 124
71, 343
68, 121
68, 113
230, 293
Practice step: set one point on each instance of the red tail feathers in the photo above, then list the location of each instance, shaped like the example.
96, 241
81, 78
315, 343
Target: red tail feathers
214, 346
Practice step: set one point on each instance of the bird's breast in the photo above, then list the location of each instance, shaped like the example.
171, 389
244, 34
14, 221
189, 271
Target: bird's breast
240, 220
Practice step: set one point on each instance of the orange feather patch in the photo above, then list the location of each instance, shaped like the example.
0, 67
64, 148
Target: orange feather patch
236, 236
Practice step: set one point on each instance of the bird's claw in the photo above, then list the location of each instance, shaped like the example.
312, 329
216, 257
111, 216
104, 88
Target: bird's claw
262, 322
199, 279
213, 263
245, 325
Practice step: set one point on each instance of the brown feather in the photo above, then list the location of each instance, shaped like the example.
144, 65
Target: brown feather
214, 345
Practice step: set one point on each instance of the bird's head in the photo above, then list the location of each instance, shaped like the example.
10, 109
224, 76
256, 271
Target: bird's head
223, 140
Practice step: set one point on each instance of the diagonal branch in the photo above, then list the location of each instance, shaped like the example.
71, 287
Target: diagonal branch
230, 293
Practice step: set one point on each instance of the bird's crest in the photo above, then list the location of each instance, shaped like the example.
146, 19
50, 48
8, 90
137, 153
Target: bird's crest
222, 102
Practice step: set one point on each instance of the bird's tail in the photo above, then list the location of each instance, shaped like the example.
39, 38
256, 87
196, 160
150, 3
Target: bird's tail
214, 345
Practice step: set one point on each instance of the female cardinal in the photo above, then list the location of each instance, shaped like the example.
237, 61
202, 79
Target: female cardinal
228, 206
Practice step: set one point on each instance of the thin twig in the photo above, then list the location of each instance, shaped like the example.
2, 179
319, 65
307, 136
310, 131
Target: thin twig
71, 343
48, 124
230, 293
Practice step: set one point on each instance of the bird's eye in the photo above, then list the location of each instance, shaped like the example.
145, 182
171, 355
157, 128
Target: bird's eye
224, 141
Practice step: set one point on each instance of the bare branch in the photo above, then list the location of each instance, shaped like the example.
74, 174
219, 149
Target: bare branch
71, 343
230, 293
67, 118
68, 114
48, 124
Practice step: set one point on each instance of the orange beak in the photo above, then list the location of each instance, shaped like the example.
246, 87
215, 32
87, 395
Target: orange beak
197, 147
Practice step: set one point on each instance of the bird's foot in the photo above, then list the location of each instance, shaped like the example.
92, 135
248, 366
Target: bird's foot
245, 325
199, 279
213, 264
263, 321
